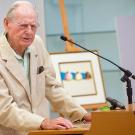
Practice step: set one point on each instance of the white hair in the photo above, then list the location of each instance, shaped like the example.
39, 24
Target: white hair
17, 4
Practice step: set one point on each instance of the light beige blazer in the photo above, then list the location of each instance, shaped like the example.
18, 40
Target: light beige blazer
22, 106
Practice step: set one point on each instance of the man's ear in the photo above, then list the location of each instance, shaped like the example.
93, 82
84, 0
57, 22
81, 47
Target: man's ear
6, 24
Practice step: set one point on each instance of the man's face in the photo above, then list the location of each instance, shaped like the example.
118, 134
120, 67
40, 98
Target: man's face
21, 28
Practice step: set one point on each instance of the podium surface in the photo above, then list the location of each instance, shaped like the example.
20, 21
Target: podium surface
117, 122
73, 131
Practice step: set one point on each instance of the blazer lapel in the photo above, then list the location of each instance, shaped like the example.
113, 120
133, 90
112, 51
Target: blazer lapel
15, 68
33, 73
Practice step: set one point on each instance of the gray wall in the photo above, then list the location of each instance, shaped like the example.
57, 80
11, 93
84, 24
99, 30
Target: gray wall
126, 42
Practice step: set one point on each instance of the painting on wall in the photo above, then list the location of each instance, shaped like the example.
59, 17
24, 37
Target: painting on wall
77, 77
80, 74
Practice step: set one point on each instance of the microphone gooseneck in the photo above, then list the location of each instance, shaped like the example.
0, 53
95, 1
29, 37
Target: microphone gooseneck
125, 77
127, 72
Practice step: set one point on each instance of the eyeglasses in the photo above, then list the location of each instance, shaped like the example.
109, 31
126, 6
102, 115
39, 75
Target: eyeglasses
23, 25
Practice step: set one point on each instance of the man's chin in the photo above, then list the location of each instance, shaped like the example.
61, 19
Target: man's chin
27, 44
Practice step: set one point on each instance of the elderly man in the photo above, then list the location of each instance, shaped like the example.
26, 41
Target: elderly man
27, 78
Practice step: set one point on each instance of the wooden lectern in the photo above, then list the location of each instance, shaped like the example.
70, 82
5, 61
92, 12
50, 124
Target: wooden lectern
118, 122
74, 131
113, 123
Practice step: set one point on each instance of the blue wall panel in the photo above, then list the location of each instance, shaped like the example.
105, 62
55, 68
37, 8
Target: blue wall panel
91, 24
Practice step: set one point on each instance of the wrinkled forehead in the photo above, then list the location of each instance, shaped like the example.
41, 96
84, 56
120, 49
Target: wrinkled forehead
25, 13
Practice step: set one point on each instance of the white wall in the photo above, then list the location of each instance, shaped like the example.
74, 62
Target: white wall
126, 42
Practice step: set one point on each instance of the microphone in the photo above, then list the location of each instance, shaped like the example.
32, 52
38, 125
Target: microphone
115, 103
125, 77
127, 72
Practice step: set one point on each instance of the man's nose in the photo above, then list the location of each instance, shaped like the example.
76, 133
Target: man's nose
29, 28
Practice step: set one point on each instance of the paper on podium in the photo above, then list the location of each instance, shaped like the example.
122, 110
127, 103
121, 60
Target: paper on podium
82, 124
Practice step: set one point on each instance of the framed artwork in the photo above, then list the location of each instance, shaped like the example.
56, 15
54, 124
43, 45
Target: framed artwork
80, 74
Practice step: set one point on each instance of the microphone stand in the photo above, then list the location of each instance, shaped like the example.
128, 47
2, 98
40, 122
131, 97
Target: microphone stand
124, 78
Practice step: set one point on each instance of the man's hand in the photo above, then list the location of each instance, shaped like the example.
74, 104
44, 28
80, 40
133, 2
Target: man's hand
87, 117
58, 123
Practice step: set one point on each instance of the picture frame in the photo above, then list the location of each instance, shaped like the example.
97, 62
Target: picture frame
81, 76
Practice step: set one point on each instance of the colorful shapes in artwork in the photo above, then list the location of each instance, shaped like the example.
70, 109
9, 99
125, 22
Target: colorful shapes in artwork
78, 76
68, 76
88, 75
75, 75
62, 74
